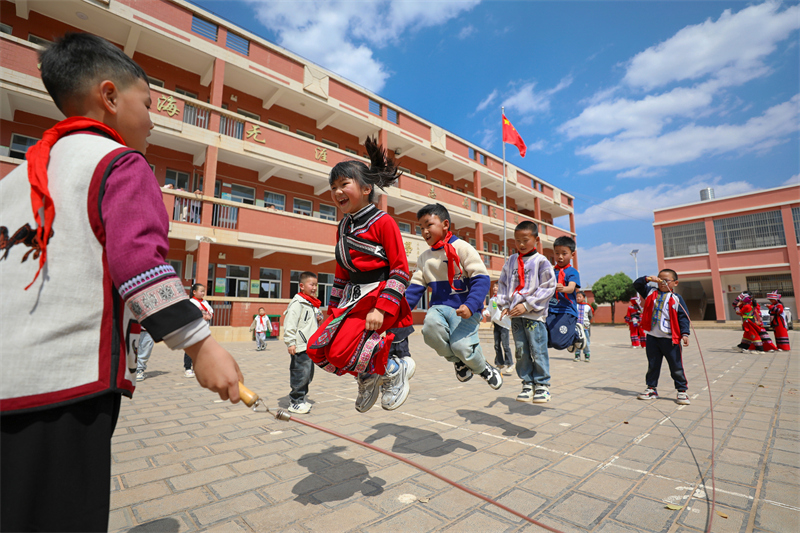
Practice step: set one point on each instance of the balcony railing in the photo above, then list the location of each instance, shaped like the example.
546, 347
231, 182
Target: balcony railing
231, 127
224, 216
196, 116
187, 210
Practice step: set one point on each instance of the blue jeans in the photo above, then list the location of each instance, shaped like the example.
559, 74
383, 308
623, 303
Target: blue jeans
143, 351
301, 372
530, 341
454, 338
588, 333
502, 353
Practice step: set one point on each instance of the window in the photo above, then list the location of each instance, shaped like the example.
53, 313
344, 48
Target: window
306, 135
302, 207
420, 175
184, 92
437, 182
405, 227
269, 283
248, 114
756, 230
327, 212
155, 82
392, 116
153, 169
471, 153
41, 41
375, 107
485, 246
796, 219
329, 143
495, 248
20, 144
473, 243
5, 28
273, 199
237, 281
178, 266
204, 28
242, 194
686, 239
178, 179
417, 230
275, 124
237, 44
404, 170
760, 286
351, 151
481, 159
324, 286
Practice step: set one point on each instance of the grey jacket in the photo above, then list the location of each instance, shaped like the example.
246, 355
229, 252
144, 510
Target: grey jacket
301, 321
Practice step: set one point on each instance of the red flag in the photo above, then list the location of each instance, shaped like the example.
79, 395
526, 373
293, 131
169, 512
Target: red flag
511, 136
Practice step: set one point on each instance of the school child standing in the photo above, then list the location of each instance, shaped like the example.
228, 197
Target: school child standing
527, 282
667, 325
563, 329
778, 321
585, 316
301, 322
369, 284
503, 359
260, 326
633, 318
97, 219
459, 283
197, 294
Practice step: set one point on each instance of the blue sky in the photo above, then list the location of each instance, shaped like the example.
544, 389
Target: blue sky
629, 106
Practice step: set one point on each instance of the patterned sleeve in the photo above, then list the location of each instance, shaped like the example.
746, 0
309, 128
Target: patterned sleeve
135, 229
399, 277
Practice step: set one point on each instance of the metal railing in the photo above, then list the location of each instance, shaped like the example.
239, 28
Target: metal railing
222, 313
196, 116
187, 210
224, 216
231, 127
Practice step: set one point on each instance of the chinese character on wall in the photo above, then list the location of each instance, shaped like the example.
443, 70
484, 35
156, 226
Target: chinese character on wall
321, 154
254, 132
432, 194
168, 105
407, 246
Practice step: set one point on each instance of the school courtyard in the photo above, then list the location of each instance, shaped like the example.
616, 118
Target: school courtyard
593, 459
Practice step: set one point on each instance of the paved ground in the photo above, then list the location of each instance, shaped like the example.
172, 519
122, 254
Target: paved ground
593, 459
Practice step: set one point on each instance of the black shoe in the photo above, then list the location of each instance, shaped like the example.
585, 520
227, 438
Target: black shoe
492, 377
463, 373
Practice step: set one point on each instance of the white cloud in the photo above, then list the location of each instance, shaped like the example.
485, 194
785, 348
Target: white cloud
794, 180
730, 49
692, 141
486, 101
466, 31
608, 258
527, 101
639, 204
341, 35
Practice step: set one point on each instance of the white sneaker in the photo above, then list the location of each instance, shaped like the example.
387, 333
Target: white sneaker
140, 375
299, 408
394, 388
188, 373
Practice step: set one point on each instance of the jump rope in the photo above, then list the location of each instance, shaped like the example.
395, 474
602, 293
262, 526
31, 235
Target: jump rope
252, 400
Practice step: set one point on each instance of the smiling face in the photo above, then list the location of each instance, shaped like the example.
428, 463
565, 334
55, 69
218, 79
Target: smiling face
525, 240
433, 228
200, 292
309, 286
349, 195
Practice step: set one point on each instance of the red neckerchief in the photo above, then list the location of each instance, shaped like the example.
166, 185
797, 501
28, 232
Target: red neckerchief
453, 261
310, 299
261, 320
521, 271
202, 303
561, 278
38, 156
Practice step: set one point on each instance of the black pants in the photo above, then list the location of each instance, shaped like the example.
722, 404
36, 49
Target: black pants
55, 467
662, 348
301, 372
501, 347
187, 361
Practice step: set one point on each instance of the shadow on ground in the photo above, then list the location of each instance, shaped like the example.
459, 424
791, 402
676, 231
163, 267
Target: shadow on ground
415, 440
164, 525
519, 408
334, 478
616, 390
509, 429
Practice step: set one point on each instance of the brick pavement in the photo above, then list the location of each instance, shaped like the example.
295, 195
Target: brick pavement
593, 459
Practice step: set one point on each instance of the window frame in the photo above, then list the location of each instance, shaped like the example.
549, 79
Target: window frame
243, 199
305, 134
277, 282
11, 145
248, 114
330, 217
295, 208
279, 125
229, 277
274, 204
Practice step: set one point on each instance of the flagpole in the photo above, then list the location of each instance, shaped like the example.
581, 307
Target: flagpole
505, 210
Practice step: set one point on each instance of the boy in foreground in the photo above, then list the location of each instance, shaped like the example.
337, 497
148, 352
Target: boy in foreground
302, 320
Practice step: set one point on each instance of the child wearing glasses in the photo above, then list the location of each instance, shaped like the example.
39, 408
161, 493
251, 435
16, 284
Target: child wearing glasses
665, 320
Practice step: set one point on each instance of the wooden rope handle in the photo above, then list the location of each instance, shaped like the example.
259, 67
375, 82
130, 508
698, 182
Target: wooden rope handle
248, 397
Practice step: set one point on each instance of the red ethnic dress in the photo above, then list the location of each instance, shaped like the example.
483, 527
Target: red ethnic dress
778, 323
751, 339
371, 273
633, 318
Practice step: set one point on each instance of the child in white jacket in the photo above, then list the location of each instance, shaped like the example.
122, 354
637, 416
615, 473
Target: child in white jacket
302, 320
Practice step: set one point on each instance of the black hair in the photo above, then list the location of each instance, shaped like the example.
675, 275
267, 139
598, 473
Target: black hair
194, 289
581, 293
260, 308
434, 209
71, 64
669, 270
381, 172
565, 241
305, 275
527, 225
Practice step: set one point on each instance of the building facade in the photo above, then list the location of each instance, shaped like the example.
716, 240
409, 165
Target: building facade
721, 247
245, 136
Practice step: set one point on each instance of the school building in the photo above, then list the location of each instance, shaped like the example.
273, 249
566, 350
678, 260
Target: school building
721, 247
245, 136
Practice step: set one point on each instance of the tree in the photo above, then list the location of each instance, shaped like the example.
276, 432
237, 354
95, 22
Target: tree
613, 288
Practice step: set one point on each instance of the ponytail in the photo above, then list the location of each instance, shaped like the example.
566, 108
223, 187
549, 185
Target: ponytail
382, 171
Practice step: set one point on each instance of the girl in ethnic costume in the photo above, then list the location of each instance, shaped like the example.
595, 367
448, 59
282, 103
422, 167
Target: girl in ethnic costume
766, 340
751, 339
370, 282
633, 319
778, 321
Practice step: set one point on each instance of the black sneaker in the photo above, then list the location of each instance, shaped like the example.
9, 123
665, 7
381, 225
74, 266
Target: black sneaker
463, 373
492, 377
